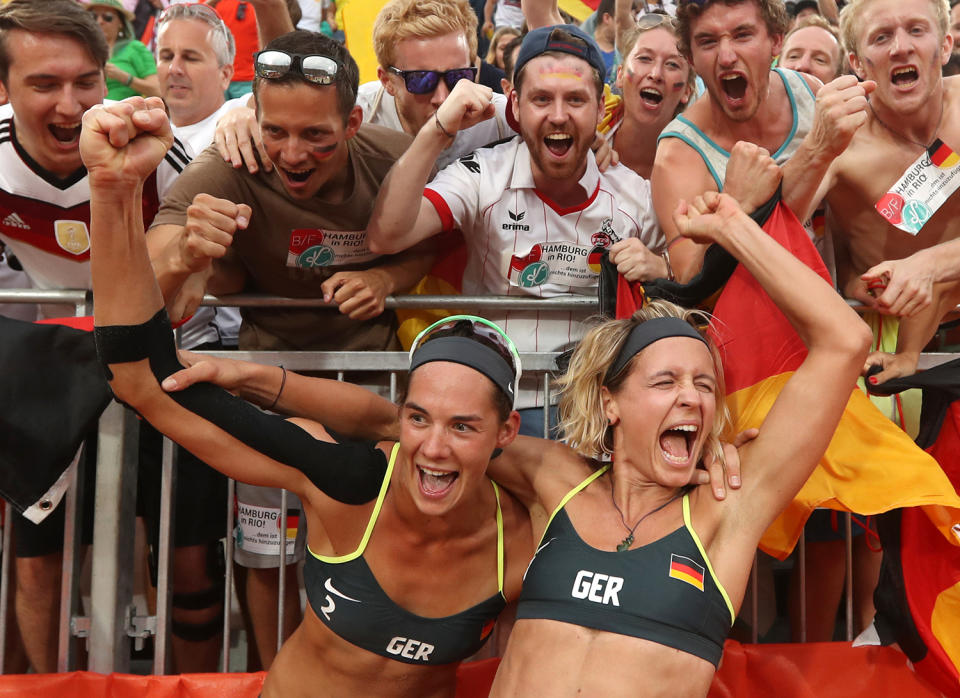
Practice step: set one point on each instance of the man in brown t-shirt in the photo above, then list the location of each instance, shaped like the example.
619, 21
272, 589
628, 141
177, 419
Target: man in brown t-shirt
297, 231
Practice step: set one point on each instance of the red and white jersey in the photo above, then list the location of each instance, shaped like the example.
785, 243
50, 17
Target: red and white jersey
45, 220
519, 242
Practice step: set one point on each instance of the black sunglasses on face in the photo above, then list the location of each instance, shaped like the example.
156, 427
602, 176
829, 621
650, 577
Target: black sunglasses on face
107, 17
423, 82
273, 64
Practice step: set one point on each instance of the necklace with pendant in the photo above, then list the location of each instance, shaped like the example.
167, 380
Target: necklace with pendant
628, 541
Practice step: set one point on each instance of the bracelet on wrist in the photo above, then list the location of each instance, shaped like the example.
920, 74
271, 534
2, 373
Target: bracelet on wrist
129, 80
445, 132
666, 260
283, 382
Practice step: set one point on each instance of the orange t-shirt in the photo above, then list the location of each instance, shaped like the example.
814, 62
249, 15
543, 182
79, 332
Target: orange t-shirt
243, 24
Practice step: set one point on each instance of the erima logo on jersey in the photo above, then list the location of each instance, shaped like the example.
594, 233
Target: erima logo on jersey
15, 221
471, 163
597, 587
516, 224
410, 649
330, 606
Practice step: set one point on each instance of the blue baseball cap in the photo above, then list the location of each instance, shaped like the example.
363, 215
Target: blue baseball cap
539, 41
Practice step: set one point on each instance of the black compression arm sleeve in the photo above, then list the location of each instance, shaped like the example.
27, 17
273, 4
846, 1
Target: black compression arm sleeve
350, 472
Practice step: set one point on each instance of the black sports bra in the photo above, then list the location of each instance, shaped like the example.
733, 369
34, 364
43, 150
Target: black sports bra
347, 598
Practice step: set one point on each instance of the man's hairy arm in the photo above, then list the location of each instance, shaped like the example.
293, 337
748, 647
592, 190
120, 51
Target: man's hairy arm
678, 174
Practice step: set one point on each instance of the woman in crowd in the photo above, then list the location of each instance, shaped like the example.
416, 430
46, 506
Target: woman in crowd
656, 83
131, 69
499, 41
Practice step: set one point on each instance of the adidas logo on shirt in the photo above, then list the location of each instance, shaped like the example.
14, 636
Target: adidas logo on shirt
15, 221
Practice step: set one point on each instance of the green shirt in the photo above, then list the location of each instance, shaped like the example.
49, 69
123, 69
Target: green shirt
133, 58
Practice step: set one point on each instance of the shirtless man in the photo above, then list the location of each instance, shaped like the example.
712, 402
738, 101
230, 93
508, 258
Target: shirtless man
900, 44
730, 44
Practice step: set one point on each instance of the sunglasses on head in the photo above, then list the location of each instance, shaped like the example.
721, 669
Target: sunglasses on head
480, 327
185, 10
654, 19
423, 82
272, 64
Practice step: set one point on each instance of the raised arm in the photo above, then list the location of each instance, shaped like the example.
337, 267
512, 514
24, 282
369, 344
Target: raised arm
801, 422
121, 144
678, 175
541, 13
841, 109
396, 225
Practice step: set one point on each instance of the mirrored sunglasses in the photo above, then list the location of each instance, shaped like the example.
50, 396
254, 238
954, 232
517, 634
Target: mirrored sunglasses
272, 64
423, 82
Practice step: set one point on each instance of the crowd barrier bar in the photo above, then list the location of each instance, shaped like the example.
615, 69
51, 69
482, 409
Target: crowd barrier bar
111, 622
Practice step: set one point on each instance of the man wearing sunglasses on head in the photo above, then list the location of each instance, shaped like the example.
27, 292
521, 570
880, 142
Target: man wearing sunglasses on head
535, 211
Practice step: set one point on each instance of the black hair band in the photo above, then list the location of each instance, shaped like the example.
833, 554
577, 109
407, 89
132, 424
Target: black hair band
468, 352
645, 334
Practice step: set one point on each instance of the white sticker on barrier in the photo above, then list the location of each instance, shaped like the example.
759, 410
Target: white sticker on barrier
258, 529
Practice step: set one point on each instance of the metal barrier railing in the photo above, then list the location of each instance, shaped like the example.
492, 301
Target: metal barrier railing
111, 621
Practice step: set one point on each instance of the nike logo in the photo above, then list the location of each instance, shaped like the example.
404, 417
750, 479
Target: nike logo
330, 606
535, 556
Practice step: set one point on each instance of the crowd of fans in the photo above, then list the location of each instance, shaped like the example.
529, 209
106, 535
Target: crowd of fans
356, 192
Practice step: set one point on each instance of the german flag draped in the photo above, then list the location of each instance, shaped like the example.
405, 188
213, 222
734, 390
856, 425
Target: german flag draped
918, 597
871, 465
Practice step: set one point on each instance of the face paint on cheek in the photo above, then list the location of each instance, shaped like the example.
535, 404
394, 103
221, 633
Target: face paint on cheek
324, 150
679, 85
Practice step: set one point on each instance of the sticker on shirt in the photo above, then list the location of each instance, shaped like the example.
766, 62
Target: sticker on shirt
561, 263
72, 236
315, 247
922, 189
258, 529
686, 570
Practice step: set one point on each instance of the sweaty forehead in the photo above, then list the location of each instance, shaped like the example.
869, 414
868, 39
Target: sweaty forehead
194, 33
443, 52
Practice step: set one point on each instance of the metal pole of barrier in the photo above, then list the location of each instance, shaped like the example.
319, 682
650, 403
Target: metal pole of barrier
165, 544
283, 567
228, 580
5, 579
113, 537
848, 539
393, 386
802, 561
70, 572
755, 601
546, 405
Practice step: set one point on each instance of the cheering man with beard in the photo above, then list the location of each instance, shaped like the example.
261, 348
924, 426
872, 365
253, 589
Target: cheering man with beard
535, 212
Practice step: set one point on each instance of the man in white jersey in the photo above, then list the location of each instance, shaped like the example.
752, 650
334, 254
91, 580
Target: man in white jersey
52, 56
535, 211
